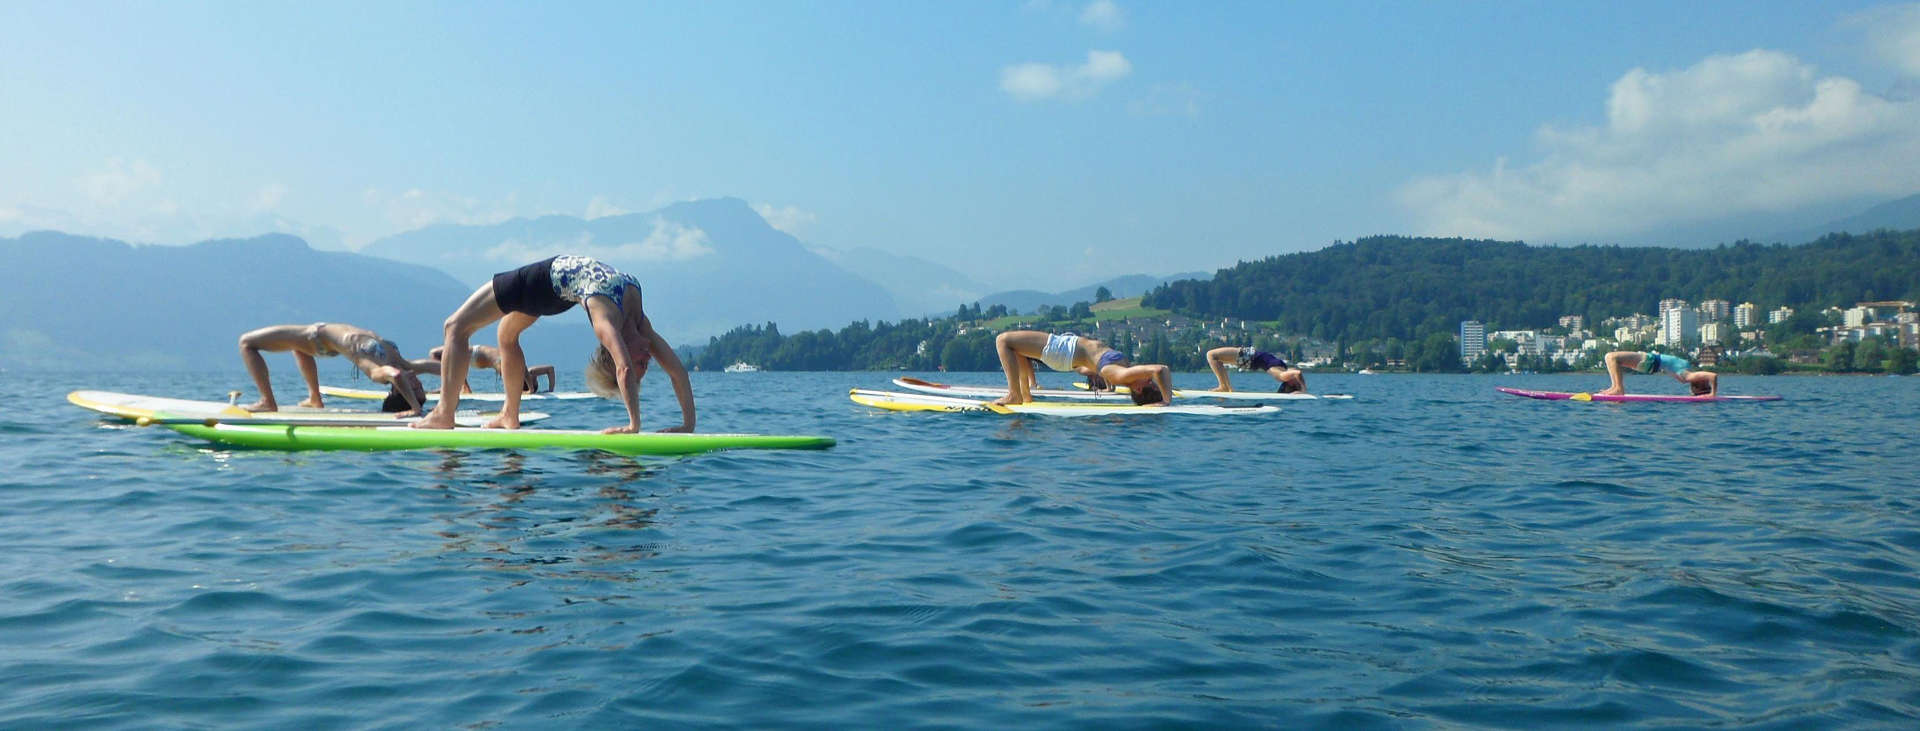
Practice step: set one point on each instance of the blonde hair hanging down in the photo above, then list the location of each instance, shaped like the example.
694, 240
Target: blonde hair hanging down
600, 377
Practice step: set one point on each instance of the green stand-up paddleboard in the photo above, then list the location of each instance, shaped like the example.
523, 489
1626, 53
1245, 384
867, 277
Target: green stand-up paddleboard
394, 438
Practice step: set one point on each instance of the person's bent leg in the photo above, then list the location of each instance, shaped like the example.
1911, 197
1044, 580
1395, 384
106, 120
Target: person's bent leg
456, 353
1010, 362
1217, 360
257, 368
1617, 361
513, 368
310, 371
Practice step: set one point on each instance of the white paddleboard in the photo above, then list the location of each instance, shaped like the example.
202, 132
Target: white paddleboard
895, 401
135, 406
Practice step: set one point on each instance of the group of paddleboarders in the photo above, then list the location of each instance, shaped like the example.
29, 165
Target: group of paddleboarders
376, 357
628, 344
515, 299
1109, 369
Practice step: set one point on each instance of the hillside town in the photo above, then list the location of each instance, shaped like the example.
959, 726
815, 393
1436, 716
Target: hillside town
1710, 333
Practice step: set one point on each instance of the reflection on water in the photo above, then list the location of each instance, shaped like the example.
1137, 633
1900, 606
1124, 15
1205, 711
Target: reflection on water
1429, 553
552, 518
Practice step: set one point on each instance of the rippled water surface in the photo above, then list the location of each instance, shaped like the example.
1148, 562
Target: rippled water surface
1431, 553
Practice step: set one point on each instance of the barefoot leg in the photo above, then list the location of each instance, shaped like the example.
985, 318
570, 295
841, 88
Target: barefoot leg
310, 371
1217, 360
479, 311
1617, 361
257, 368
1014, 348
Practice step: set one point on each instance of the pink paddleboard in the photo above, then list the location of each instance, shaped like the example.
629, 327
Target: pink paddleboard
1564, 396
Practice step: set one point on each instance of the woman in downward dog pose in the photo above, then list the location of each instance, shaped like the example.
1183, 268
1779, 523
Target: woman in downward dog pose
375, 356
518, 297
1701, 383
1291, 379
1149, 384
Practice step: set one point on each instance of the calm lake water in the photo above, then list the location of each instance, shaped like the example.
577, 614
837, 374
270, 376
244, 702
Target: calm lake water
1431, 553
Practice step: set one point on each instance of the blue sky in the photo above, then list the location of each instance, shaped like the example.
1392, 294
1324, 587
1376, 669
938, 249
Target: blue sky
1026, 144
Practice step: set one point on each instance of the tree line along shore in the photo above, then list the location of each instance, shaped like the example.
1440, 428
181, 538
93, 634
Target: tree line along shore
1396, 303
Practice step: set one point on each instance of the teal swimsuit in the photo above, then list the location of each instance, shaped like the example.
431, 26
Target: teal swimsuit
1651, 363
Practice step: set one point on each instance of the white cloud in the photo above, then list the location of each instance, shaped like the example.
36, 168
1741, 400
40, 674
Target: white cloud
668, 241
120, 181
1753, 132
269, 197
1892, 33
1103, 15
1039, 81
416, 208
789, 219
601, 207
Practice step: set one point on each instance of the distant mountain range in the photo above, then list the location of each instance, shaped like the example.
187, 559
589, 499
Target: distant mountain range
1133, 285
1896, 215
707, 267
711, 265
920, 287
704, 266
80, 302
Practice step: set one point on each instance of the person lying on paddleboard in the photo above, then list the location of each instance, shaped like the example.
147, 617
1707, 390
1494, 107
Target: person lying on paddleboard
1702, 383
375, 356
1291, 379
551, 286
1150, 384
487, 356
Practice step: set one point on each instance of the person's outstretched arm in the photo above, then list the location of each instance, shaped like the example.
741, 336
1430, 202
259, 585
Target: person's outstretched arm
676, 372
534, 374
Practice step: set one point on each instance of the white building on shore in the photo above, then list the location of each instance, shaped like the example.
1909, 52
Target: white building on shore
1679, 326
1473, 340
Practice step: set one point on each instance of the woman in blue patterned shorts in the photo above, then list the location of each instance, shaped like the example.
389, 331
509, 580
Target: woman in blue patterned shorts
518, 297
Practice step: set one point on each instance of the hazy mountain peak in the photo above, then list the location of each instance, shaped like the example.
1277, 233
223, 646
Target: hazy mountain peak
708, 265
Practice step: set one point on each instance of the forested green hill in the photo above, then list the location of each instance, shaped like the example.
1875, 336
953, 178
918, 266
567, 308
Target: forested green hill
1406, 288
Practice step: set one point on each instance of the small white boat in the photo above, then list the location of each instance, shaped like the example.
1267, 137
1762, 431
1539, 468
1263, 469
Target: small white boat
743, 367
1366, 371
